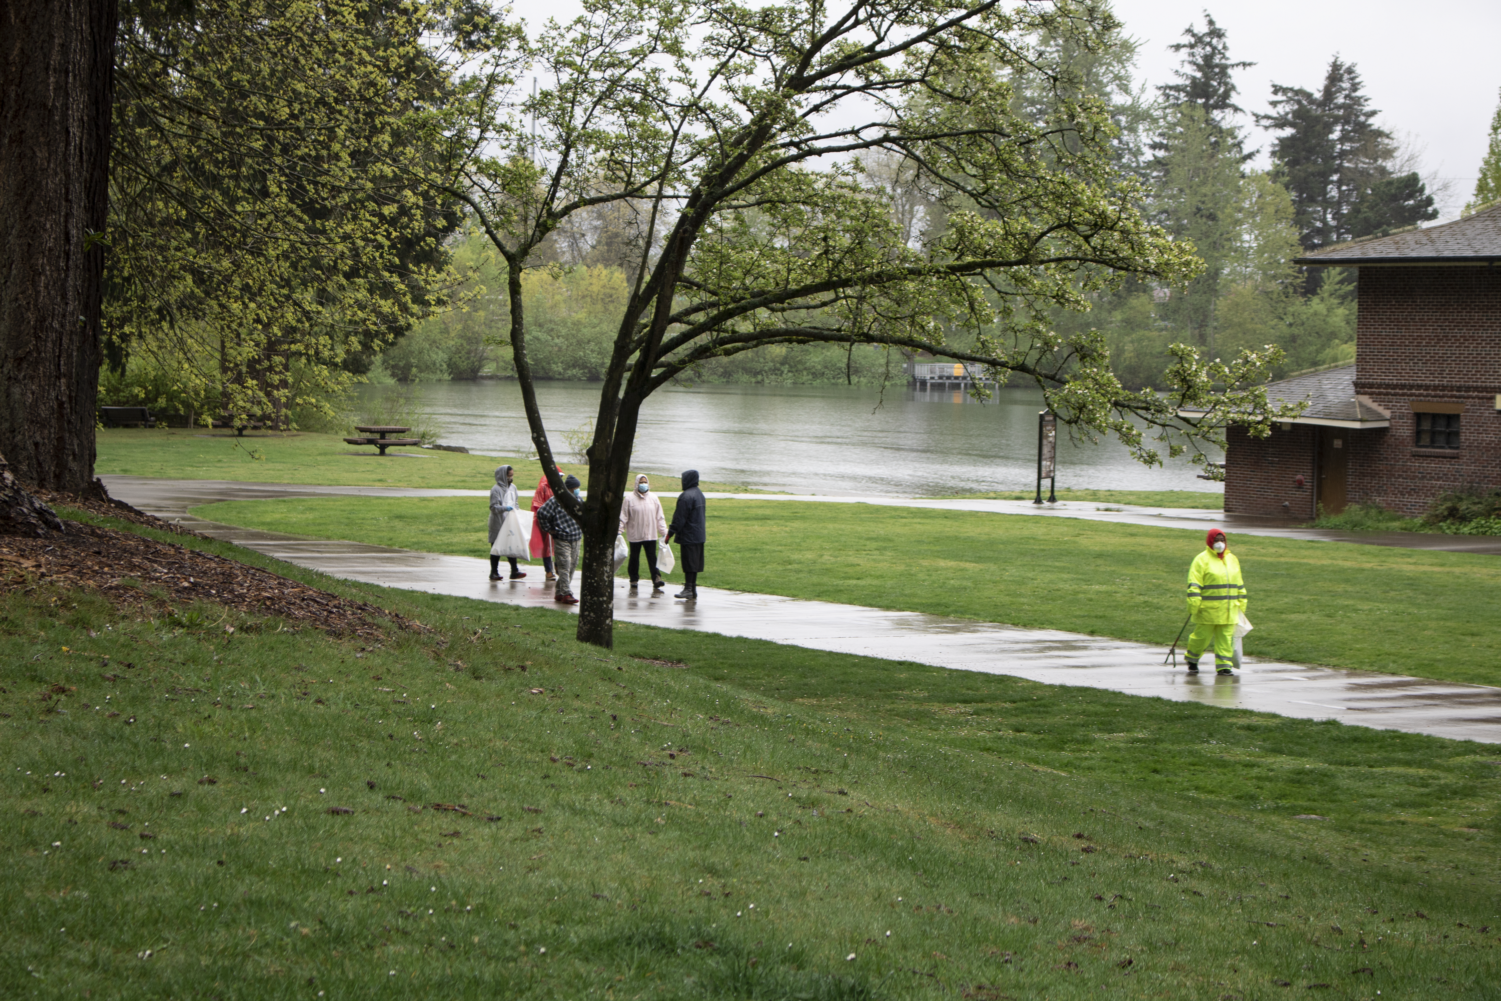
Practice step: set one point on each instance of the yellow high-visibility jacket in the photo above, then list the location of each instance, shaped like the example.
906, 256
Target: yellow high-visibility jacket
1216, 592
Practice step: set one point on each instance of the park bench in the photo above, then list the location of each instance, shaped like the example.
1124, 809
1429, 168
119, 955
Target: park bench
115, 417
380, 441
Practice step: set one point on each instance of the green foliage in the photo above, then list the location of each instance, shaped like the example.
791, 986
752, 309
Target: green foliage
1488, 184
1367, 518
1053, 573
265, 226
1472, 511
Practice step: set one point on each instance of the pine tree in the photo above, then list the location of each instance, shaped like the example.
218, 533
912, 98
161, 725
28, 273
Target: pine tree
1206, 79
1488, 184
1331, 156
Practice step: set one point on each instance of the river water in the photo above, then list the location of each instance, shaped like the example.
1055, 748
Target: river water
808, 439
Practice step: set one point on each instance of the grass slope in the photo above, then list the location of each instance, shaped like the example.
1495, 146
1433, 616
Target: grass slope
1366, 607
693, 816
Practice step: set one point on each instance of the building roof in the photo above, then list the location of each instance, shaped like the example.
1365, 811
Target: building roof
1475, 239
1330, 398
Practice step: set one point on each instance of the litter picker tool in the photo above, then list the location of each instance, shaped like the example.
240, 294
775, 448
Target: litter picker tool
1172, 652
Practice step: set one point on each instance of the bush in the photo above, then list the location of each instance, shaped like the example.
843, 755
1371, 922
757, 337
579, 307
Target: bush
1367, 518
1465, 504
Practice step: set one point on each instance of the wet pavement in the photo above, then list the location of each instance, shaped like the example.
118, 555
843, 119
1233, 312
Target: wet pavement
1415, 705
172, 498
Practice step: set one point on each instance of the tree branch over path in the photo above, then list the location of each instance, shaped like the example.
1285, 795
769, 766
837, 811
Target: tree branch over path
764, 221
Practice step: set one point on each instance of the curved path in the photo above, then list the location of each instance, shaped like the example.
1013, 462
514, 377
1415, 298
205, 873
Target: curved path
1382, 701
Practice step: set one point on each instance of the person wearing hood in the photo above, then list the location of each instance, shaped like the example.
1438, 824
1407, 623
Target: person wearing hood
541, 544
1216, 599
688, 526
566, 534
502, 503
643, 523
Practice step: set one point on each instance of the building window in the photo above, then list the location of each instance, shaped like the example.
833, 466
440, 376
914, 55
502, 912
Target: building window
1438, 430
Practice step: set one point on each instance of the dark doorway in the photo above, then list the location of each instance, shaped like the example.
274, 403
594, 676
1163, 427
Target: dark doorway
1334, 467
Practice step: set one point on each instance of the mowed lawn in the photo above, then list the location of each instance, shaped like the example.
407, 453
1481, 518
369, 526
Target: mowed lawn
489, 809
1374, 608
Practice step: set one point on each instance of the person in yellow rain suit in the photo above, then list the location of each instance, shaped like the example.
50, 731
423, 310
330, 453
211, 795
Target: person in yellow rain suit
1216, 599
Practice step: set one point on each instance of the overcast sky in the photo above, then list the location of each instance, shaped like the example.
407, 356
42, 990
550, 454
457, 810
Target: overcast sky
1433, 70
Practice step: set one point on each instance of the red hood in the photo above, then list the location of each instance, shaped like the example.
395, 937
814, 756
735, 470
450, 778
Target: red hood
1211, 536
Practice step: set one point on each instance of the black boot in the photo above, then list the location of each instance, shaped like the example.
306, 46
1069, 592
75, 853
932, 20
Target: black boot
495, 568
1193, 667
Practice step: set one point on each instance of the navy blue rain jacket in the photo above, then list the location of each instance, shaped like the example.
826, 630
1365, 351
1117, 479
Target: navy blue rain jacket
688, 518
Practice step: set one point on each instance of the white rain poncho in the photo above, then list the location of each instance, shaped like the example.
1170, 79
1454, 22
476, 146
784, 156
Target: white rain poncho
502, 498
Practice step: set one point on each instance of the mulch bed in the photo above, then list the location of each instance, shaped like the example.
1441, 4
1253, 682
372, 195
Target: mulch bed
103, 559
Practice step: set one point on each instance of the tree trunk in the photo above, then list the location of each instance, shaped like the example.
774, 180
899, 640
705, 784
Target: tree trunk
56, 82
597, 584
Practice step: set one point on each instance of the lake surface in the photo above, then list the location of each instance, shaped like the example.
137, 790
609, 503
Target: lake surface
810, 439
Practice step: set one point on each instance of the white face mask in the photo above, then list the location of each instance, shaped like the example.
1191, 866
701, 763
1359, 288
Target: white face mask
1219, 547
642, 487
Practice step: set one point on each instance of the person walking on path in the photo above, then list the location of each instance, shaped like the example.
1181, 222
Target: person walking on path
688, 526
541, 543
1216, 599
502, 502
565, 534
643, 523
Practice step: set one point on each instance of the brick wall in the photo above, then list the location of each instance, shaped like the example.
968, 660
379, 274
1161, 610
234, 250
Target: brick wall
1261, 474
1427, 334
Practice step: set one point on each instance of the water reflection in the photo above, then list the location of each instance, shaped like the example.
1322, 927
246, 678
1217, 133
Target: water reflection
827, 440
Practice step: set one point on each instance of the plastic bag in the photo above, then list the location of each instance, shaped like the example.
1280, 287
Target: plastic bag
665, 562
1241, 628
621, 552
515, 536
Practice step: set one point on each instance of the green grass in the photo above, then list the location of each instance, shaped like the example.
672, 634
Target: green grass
1200, 499
1373, 608
1371, 518
319, 459
1015, 839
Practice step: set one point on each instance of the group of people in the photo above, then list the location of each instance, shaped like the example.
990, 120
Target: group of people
1216, 590
556, 534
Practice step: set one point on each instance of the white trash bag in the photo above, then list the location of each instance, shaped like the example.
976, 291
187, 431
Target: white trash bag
1241, 628
622, 551
665, 562
515, 536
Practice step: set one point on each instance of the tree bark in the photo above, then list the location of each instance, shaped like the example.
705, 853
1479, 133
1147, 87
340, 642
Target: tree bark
56, 84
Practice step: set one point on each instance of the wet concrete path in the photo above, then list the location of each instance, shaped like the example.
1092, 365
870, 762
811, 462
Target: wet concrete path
1444, 709
176, 496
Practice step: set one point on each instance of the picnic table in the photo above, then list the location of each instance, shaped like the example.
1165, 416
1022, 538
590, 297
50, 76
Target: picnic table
381, 441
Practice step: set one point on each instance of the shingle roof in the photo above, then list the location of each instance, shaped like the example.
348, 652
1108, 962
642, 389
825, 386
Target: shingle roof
1475, 238
1331, 399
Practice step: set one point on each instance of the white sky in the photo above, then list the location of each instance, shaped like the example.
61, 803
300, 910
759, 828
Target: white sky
1433, 72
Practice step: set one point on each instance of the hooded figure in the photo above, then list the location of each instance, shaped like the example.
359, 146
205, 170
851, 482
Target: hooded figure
541, 541
643, 523
1216, 599
688, 526
502, 502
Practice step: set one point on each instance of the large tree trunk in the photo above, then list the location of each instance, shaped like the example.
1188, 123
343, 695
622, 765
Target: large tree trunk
56, 82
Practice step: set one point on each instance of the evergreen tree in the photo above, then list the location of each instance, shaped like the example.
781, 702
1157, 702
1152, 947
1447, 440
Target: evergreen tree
1488, 184
1206, 77
1392, 203
1333, 157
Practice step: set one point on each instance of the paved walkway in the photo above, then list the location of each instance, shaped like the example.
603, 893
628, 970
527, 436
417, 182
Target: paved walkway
176, 496
1469, 712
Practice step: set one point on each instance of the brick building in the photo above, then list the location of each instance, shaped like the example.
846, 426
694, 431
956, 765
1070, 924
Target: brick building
1419, 413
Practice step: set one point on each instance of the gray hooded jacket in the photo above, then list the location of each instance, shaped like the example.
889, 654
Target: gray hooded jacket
502, 499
